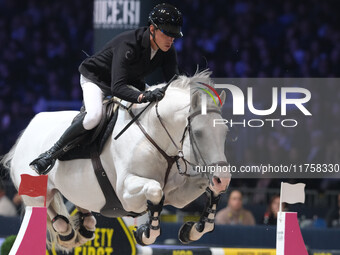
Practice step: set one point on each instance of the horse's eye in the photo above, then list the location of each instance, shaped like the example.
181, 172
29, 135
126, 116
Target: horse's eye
198, 133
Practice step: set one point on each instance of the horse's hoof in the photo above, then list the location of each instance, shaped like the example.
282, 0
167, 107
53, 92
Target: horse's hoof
67, 239
144, 228
184, 232
84, 235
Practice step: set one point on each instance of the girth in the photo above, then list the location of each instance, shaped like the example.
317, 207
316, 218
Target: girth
113, 207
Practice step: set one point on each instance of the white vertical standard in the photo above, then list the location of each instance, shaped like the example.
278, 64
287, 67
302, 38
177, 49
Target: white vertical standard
280, 234
290, 193
280, 229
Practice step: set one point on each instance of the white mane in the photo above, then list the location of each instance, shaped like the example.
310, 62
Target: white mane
189, 84
185, 82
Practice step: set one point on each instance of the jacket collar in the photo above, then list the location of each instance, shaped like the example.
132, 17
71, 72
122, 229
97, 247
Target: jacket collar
146, 38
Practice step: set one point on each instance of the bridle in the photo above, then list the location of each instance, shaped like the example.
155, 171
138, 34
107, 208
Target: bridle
180, 156
188, 129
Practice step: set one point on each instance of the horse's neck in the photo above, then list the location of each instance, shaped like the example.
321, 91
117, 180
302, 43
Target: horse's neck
173, 111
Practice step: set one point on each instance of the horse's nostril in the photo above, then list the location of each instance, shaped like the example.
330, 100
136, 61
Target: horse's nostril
218, 180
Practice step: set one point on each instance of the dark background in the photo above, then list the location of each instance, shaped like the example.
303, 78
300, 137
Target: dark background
42, 42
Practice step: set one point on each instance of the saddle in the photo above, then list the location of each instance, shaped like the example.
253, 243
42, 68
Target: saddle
81, 147
89, 146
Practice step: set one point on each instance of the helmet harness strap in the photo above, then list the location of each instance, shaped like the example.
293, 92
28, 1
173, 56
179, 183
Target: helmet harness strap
153, 34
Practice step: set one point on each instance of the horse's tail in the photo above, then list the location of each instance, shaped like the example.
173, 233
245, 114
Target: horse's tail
57, 202
58, 205
5, 160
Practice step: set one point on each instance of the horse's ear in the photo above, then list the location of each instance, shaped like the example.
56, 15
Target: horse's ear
195, 100
222, 96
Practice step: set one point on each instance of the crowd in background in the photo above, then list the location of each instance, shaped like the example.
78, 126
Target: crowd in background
243, 38
41, 48
42, 44
272, 39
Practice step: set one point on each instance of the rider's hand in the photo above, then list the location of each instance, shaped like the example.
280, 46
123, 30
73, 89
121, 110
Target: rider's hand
153, 95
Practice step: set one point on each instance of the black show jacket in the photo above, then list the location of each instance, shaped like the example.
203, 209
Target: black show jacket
125, 60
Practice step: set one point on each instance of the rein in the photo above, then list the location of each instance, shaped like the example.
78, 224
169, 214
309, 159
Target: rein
139, 114
172, 159
169, 159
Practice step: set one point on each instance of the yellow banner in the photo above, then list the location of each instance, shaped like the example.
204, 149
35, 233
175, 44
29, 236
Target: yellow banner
250, 251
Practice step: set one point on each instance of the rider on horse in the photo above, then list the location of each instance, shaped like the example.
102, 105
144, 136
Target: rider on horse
124, 61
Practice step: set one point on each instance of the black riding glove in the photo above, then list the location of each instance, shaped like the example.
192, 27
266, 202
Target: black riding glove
153, 95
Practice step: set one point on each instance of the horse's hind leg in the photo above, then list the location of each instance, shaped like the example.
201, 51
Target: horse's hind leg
72, 234
85, 226
64, 232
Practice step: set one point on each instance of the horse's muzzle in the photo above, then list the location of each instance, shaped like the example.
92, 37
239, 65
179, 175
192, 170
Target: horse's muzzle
221, 176
220, 169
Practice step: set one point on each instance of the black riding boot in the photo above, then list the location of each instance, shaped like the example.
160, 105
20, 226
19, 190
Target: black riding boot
45, 162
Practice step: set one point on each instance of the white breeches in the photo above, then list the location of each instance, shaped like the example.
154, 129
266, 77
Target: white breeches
93, 100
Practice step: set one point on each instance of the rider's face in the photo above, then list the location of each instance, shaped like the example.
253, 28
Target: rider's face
164, 42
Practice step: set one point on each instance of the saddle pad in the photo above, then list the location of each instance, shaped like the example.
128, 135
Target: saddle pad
81, 147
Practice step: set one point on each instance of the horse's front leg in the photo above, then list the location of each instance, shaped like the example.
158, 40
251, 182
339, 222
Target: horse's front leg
85, 226
147, 233
192, 231
138, 192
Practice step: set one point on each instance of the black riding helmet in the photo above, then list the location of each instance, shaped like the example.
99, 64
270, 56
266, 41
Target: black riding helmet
168, 19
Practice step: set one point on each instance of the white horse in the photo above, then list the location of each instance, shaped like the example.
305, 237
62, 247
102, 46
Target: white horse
135, 168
